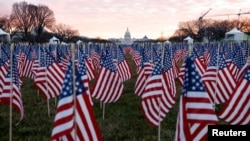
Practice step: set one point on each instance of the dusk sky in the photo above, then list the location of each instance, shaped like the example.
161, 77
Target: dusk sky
153, 18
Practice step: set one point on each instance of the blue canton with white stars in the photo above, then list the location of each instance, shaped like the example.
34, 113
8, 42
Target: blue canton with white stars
192, 79
49, 59
82, 68
213, 60
145, 58
108, 62
222, 62
67, 88
120, 56
247, 74
42, 58
157, 69
167, 64
14, 71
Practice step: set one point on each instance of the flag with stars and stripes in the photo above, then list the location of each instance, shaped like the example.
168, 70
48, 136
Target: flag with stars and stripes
3, 72
168, 81
122, 65
236, 110
152, 96
11, 84
218, 80
83, 71
74, 119
27, 65
109, 86
196, 111
49, 76
143, 72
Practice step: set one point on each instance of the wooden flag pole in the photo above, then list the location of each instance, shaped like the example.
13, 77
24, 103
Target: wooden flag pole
217, 70
159, 99
45, 57
103, 111
39, 63
159, 126
248, 53
56, 60
11, 91
100, 105
73, 87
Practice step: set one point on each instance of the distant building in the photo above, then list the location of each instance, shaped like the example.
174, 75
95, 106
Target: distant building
127, 40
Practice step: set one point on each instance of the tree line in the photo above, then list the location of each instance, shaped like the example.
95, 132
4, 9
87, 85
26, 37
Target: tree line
212, 30
36, 24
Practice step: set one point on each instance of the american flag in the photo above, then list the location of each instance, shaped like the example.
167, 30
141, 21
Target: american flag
3, 73
95, 56
199, 62
4, 64
181, 73
123, 67
35, 57
20, 54
168, 81
6, 94
27, 65
90, 68
49, 76
236, 110
74, 120
152, 96
197, 110
208, 51
84, 75
218, 80
88, 64
108, 87
180, 52
240, 61
136, 57
143, 72
229, 60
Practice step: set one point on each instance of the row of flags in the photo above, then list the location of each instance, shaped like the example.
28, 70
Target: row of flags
208, 76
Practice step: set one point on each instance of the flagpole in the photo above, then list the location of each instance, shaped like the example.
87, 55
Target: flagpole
103, 109
56, 60
74, 90
39, 64
45, 57
216, 78
248, 53
101, 103
159, 99
11, 91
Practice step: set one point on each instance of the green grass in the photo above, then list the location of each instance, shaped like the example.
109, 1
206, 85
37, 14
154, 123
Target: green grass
123, 120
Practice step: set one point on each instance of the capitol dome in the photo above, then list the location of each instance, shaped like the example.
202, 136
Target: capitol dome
127, 35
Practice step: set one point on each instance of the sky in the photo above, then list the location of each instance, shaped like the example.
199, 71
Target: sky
151, 18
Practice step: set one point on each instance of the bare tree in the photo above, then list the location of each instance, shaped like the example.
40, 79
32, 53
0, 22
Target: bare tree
24, 15
44, 18
64, 31
7, 23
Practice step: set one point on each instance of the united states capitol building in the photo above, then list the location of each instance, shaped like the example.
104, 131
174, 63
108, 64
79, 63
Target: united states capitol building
127, 40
